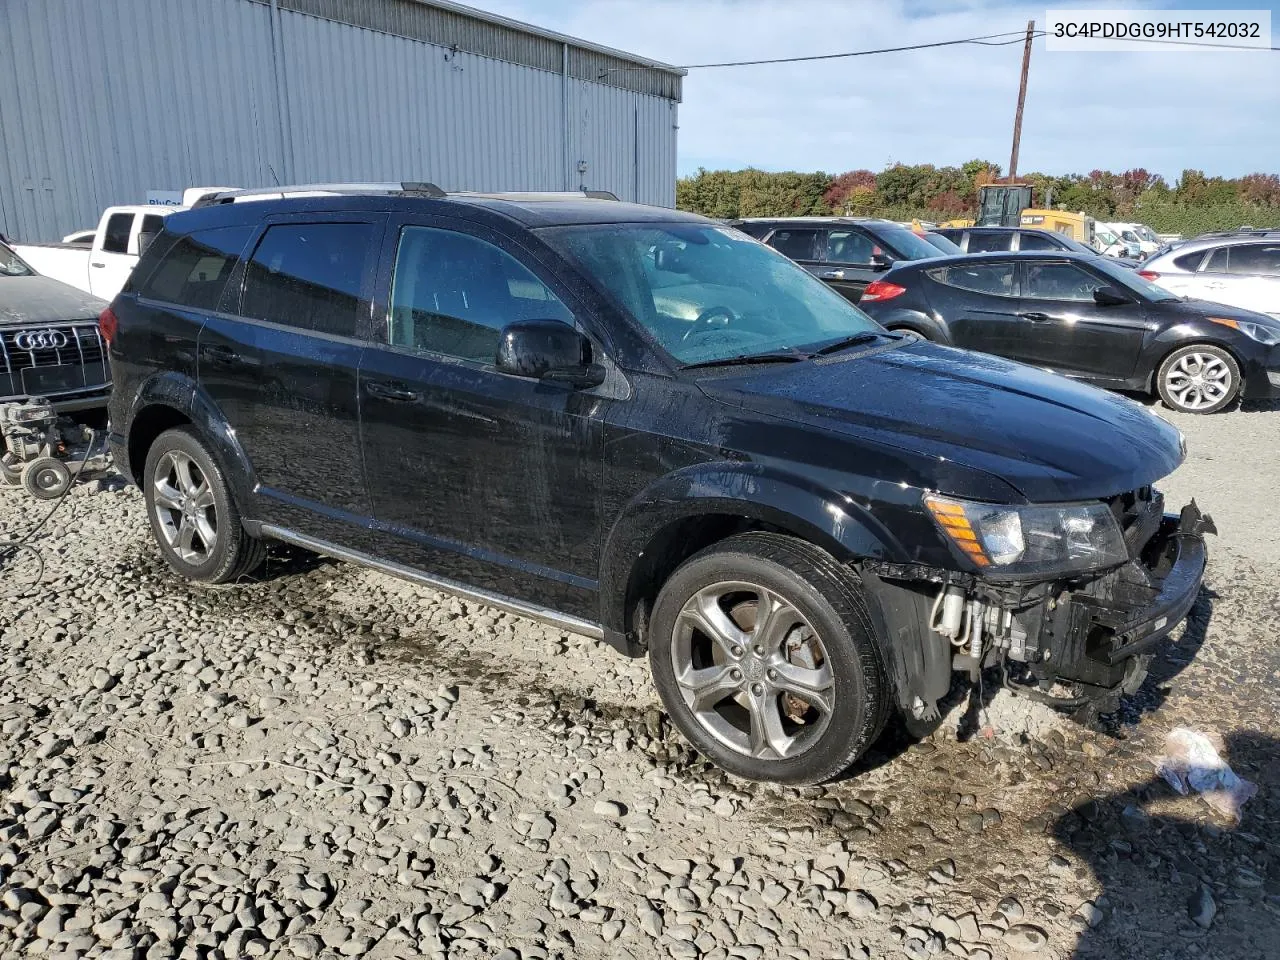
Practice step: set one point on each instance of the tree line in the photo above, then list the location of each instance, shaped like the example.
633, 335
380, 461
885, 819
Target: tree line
1192, 204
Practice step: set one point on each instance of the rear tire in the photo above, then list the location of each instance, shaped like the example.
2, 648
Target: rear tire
1198, 378
193, 516
794, 698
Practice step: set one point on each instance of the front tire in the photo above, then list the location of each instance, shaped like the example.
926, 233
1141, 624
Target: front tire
765, 657
193, 517
1198, 378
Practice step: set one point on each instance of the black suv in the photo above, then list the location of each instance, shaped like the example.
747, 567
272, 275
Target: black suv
847, 252
645, 426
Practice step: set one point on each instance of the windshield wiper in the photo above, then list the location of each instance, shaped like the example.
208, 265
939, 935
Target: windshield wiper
744, 359
866, 336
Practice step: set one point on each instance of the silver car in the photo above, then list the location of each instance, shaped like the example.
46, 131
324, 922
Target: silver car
1239, 271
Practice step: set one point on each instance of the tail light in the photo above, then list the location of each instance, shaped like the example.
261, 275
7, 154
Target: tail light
107, 325
1149, 275
881, 290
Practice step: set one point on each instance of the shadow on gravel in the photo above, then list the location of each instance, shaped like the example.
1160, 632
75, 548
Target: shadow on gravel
1260, 406
1178, 887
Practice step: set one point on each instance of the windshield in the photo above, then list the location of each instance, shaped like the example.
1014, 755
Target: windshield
942, 243
709, 293
908, 244
1129, 279
11, 266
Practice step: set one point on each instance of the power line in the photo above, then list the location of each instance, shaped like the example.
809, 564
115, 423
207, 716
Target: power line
985, 41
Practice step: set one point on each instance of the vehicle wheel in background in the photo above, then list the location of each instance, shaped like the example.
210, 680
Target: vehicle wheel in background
194, 520
1198, 379
46, 478
764, 655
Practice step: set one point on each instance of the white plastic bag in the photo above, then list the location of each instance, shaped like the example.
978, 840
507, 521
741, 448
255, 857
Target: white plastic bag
1191, 762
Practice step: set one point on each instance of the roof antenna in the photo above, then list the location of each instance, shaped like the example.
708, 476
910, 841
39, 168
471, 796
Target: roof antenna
273, 174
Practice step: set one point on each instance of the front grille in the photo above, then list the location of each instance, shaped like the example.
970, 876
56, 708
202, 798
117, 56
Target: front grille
82, 359
84, 347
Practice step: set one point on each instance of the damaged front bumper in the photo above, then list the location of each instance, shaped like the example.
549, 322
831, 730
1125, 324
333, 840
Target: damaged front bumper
1073, 643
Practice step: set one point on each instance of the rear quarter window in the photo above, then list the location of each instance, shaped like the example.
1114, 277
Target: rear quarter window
1189, 261
995, 279
193, 269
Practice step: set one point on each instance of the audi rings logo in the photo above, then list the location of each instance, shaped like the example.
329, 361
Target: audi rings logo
39, 339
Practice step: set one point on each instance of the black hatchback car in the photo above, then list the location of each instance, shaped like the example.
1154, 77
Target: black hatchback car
1088, 318
845, 252
642, 425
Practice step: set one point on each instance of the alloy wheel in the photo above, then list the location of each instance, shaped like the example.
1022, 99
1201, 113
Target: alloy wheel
752, 670
1198, 380
185, 507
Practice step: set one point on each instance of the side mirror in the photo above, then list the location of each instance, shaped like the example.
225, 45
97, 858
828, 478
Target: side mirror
548, 350
880, 261
1110, 297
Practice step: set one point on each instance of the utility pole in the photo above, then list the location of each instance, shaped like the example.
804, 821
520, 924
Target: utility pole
1022, 99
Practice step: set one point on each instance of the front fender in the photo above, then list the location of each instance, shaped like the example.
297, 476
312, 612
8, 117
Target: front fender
177, 392
752, 491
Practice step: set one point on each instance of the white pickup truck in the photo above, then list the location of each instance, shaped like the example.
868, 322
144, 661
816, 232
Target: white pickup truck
100, 268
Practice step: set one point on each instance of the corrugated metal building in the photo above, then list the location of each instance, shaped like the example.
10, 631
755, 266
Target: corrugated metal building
104, 101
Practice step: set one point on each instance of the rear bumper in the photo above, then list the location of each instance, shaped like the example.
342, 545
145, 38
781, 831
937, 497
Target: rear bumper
120, 455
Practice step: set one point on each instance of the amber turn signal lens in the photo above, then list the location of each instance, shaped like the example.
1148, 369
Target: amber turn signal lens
951, 518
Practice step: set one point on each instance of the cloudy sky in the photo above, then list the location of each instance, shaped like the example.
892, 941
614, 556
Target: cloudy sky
1218, 111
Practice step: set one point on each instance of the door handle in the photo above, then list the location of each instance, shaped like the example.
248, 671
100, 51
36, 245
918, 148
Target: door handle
219, 353
388, 391
1035, 317
831, 275
92, 264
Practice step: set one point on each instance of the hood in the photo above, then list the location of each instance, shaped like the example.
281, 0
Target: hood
42, 300
1193, 309
1047, 436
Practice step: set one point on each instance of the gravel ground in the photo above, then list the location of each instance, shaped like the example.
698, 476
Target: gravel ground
329, 762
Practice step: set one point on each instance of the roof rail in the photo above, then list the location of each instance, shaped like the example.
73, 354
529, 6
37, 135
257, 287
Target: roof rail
422, 187
416, 187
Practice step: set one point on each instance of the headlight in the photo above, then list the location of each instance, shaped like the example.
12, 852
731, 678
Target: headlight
1037, 539
1254, 331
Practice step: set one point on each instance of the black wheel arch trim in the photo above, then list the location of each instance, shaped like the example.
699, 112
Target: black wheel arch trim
182, 394
783, 501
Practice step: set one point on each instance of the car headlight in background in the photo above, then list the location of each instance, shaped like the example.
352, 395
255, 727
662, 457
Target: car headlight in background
1254, 331
1036, 539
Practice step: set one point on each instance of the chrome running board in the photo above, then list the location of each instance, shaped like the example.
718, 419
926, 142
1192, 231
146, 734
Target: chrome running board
518, 607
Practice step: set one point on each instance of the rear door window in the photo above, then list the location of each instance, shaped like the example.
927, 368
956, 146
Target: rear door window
1255, 259
313, 276
990, 242
990, 278
1217, 262
796, 244
194, 271
116, 237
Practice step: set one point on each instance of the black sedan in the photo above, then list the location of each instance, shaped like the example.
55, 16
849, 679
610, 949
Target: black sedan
1087, 318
